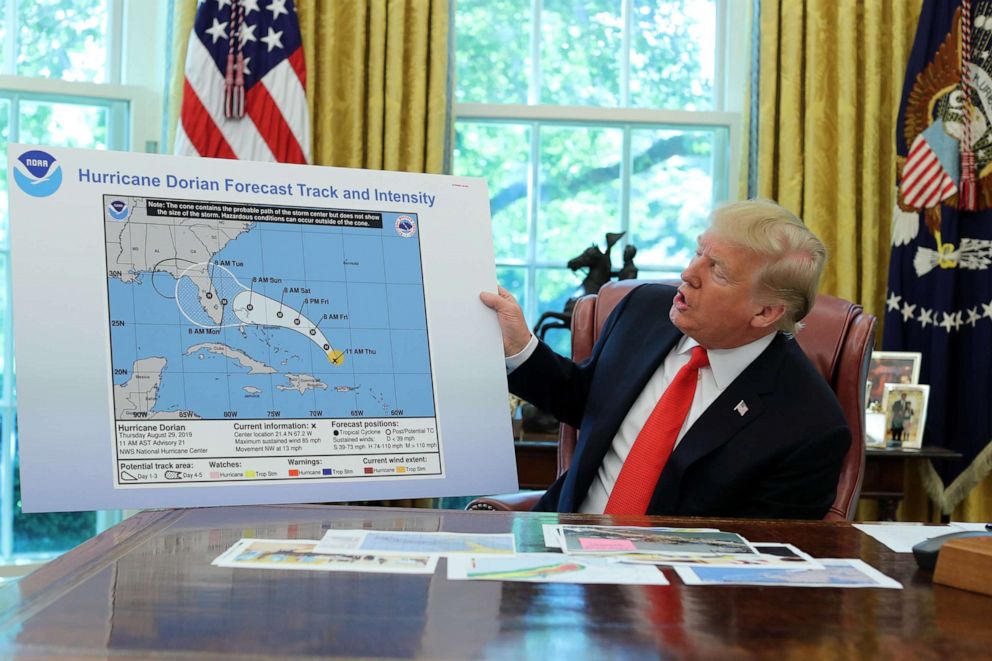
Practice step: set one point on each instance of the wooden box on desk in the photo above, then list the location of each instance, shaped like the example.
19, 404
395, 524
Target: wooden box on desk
966, 563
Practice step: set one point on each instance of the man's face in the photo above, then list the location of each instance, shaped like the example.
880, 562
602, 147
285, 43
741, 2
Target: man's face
715, 305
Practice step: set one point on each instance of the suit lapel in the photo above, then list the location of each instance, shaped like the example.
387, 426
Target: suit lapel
722, 421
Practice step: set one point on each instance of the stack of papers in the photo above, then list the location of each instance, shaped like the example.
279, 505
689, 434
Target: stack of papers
575, 554
381, 551
835, 573
303, 554
704, 556
902, 537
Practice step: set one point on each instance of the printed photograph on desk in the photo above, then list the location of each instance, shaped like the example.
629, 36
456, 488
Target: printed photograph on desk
618, 539
898, 367
905, 409
768, 555
301, 554
395, 541
551, 568
836, 573
553, 539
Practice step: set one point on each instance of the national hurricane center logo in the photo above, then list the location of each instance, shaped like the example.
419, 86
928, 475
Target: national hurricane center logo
406, 226
37, 173
118, 210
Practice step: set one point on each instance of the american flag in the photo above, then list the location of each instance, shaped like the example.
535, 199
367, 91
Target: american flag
244, 95
925, 180
939, 299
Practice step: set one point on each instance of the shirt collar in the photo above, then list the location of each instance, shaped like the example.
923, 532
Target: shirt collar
727, 364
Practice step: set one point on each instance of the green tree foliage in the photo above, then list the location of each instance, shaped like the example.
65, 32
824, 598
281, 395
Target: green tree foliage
493, 62
669, 66
580, 47
62, 39
63, 124
581, 53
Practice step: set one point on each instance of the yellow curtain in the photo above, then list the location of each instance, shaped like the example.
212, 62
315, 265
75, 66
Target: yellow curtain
831, 79
831, 75
378, 83
183, 16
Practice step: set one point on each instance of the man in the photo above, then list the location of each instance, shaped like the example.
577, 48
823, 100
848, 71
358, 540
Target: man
761, 435
900, 414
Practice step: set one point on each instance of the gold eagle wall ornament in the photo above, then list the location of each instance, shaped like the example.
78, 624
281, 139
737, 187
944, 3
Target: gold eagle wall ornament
947, 128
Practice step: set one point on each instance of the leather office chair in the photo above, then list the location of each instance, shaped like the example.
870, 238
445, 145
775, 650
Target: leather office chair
838, 337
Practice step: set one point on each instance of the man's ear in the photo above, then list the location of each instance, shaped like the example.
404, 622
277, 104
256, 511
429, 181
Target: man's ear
767, 316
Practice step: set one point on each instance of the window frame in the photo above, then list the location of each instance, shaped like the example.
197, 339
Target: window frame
729, 94
134, 118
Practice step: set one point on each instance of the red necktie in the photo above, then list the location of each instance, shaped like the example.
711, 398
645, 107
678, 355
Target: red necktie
640, 471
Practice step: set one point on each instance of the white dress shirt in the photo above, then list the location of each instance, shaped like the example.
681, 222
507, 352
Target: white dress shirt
725, 366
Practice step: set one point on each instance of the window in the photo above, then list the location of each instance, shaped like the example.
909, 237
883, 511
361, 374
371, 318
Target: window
589, 117
63, 62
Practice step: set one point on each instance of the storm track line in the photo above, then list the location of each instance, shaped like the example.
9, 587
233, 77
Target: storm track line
251, 307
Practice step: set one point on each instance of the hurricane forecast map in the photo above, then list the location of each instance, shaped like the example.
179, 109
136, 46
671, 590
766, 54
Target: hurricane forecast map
252, 342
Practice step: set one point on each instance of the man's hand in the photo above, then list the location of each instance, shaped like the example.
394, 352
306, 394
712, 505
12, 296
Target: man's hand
516, 334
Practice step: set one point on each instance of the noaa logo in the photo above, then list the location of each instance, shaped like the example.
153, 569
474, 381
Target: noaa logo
118, 210
37, 173
406, 226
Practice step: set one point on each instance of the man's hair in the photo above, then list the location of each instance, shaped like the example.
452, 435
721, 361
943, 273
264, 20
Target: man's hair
795, 257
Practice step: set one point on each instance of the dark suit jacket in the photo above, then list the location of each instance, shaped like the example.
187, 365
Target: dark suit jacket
780, 459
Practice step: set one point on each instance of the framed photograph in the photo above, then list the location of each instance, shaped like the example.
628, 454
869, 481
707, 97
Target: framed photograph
899, 367
875, 427
905, 409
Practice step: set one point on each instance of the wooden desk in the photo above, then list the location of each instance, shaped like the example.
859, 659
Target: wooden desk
146, 588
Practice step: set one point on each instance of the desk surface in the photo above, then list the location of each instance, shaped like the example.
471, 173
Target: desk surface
146, 588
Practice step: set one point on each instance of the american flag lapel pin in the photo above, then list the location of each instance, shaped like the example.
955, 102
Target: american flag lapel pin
741, 408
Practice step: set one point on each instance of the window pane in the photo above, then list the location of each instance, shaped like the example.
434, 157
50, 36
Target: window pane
514, 280
4, 309
64, 39
4, 137
580, 190
671, 193
492, 61
499, 153
3, 39
581, 43
63, 124
673, 48
554, 287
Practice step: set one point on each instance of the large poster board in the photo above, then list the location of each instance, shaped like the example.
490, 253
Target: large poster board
206, 332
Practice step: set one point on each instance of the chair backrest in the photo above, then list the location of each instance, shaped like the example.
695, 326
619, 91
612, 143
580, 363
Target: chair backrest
838, 337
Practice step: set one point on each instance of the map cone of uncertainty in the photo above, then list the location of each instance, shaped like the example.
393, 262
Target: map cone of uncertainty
253, 308
250, 307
